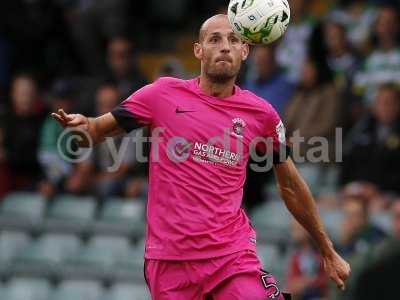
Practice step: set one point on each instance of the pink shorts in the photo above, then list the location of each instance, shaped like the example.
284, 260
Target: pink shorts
232, 277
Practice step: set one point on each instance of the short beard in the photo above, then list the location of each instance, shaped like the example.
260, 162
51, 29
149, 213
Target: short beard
220, 78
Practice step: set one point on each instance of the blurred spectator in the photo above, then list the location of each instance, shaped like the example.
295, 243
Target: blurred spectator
358, 234
269, 80
306, 278
379, 280
293, 49
93, 176
376, 262
341, 57
383, 64
372, 150
357, 16
122, 68
21, 133
344, 62
314, 109
55, 168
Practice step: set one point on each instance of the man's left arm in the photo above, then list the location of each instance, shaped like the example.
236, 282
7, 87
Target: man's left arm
299, 201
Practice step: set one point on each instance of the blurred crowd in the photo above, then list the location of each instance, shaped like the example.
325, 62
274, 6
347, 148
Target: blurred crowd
338, 66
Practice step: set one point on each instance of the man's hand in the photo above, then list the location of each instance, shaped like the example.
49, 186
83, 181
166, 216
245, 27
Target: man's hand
337, 269
71, 120
97, 129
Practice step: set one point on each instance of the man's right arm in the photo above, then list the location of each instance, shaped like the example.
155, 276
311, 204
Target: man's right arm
97, 129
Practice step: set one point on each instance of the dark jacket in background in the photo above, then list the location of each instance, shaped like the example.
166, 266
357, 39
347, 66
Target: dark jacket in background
372, 153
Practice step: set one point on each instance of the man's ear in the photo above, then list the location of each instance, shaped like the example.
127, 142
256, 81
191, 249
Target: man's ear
245, 51
198, 51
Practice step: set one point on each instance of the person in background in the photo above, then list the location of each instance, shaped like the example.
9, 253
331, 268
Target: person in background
55, 168
344, 61
21, 133
378, 265
357, 16
306, 278
383, 64
293, 49
358, 234
122, 68
315, 107
371, 151
269, 80
92, 175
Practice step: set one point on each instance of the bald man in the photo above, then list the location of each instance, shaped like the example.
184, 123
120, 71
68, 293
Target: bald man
200, 243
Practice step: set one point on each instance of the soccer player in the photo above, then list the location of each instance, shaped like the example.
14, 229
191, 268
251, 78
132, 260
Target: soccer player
200, 243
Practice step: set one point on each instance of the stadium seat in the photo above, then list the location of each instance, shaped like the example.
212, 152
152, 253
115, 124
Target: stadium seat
95, 260
22, 211
273, 261
26, 289
77, 290
267, 253
71, 214
126, 291
129, 266
272, 222
44, 256
11, 243
122, 217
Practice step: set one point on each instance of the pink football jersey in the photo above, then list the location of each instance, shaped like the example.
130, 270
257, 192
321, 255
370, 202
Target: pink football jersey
200, 149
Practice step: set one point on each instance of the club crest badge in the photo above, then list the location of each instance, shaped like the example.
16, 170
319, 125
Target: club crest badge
238, 127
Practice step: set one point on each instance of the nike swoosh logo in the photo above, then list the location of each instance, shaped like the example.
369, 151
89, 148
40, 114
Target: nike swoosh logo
182, 111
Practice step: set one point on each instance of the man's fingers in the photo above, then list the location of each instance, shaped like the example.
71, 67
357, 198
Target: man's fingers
339, 282
62, 113
58, 118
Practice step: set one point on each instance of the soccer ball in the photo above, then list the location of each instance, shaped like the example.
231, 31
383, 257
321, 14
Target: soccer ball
259, 21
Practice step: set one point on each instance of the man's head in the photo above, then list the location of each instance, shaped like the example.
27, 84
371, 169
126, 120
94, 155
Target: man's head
220, 50
107, 97
387, 26
24, 94
356, 216
120, 56
335, 38
387, 104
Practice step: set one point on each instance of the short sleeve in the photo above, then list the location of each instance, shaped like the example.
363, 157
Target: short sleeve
137, 111
275, 133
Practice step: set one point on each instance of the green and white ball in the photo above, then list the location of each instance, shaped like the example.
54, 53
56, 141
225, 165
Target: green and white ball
259, 21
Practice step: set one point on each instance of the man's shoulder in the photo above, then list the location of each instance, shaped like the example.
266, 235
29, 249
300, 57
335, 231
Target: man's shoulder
256, 101
171, 82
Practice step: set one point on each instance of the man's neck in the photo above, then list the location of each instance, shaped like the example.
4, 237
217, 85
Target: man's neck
216, 89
